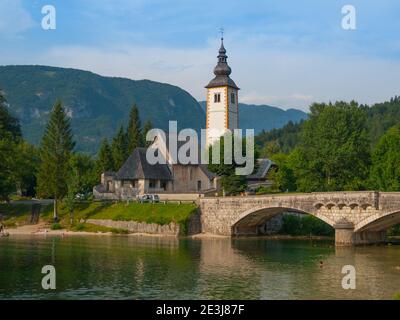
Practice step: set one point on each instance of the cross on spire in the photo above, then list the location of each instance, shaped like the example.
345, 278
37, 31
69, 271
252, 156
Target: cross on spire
221, 31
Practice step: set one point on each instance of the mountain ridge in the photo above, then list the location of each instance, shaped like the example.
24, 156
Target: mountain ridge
98, 105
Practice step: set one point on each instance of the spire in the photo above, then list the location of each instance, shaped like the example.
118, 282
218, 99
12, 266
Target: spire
222, 68
222, 52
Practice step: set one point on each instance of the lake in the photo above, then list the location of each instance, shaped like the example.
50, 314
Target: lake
134, 267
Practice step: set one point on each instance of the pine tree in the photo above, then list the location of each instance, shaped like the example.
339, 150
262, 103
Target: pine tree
147, 127
133, 133
55, 152
119, 149
105, 161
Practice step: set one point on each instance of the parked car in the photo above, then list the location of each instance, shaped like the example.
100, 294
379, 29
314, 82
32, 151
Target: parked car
151, 198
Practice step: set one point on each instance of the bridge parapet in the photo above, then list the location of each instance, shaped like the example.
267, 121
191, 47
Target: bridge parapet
225, 215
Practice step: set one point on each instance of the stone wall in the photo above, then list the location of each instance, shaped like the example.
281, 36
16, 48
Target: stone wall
172, 228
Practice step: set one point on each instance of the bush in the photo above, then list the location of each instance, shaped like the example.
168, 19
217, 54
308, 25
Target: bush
79, 227
305, 225
394, 231
263, 190
56, 226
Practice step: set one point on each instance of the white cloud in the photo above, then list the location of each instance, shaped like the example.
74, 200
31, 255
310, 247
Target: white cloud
14, 18
287, 79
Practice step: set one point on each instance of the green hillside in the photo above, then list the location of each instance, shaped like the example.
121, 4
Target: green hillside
96, 104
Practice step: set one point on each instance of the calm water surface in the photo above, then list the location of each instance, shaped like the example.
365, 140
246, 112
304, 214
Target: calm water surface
121, 267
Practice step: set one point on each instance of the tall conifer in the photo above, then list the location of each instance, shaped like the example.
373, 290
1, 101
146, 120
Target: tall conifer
119, 149
55, 152
105, 161
133, 134
147, 127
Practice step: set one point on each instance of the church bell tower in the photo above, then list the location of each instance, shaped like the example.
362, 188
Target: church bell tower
222, 100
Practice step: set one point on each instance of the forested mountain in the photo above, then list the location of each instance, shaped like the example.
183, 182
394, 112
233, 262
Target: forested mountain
96, 105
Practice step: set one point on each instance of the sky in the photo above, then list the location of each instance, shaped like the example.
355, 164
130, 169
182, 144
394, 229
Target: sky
283, 53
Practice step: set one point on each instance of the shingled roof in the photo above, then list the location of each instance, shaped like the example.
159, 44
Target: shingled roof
263, 167
137, 167
222, 71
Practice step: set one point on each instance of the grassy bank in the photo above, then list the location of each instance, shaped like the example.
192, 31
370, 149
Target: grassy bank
15, 215
19, 214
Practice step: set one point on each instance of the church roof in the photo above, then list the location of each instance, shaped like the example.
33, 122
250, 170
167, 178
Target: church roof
222, 81
203, 167
137, 167
264, 165
222, 71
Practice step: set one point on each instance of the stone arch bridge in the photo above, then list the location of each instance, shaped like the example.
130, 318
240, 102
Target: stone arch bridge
357, 217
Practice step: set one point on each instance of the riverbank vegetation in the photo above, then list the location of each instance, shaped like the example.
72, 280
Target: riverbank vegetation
297, 225
20, 214
340, 147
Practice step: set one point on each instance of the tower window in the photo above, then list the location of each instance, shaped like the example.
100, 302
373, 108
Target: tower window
233, 100
217, 97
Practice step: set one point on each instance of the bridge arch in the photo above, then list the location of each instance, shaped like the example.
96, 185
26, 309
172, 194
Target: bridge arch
378, 222
247, 223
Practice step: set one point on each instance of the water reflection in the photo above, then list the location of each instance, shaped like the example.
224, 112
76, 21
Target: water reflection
169, 268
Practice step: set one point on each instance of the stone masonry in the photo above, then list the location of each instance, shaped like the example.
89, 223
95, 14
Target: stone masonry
358, 217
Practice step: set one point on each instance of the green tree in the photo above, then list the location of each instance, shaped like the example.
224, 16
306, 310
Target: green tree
105, 161
72, 191
133, 133
231, 183
119, 149
270, 149
84, 168
334, 152
55, 153
26, 162
10, 138
282, 175
385, 169
146, 128
9, 126
7, 183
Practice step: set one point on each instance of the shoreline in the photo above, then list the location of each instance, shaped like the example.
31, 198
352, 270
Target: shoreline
23, 231
43, 229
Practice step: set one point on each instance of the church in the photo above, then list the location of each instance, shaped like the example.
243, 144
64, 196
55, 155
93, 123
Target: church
184, 181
